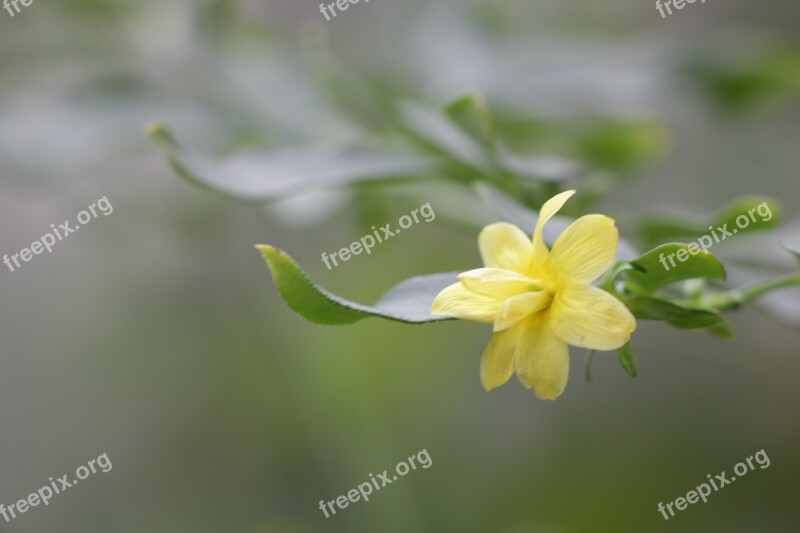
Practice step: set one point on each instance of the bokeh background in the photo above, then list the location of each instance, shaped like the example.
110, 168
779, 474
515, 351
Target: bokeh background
157, 336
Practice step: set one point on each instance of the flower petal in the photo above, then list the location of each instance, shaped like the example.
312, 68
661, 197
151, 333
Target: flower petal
497, 362
548, 210
459, 302
541, 359
585, 250
504, 245
518, 307
589, 317
498, 283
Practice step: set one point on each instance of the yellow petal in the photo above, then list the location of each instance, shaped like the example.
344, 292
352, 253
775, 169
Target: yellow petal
459, 302
584, 251
541, 359
547, 211
504, 245
497, 283
519, 307
589, 317
497, 362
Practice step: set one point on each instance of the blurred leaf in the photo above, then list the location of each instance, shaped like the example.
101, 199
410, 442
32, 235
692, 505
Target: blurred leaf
748, 207
657, 229
363, 98
465, 134
621, 146
722, 330
626, 360
655, 268
409, 301
521, 132
472, 115
650, 308
612, 144
281, 172
441, 134
536, 167
743, 87
371, 204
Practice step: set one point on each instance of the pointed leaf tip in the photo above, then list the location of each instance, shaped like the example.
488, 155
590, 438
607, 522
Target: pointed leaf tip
626, 360
409, 301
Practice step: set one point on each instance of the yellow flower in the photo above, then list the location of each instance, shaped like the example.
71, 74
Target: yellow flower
539, 300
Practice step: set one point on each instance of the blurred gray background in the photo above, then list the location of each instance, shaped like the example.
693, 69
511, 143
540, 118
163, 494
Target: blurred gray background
156, 334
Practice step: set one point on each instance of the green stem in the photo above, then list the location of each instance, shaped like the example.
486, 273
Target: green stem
737, 297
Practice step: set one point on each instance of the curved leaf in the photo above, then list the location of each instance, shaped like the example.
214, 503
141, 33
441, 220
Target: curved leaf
647, 308
673, 262
409, 301
281, 172
626, 360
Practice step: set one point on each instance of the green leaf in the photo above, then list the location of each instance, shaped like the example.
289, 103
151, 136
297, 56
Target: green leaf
722, 330
281, 172
760, 213
660, 228
621, 146
409, 301
608, 281
472, 115
626, 360
463, 134
741, 87
649, 308
612, 144
746, 214
673, 262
